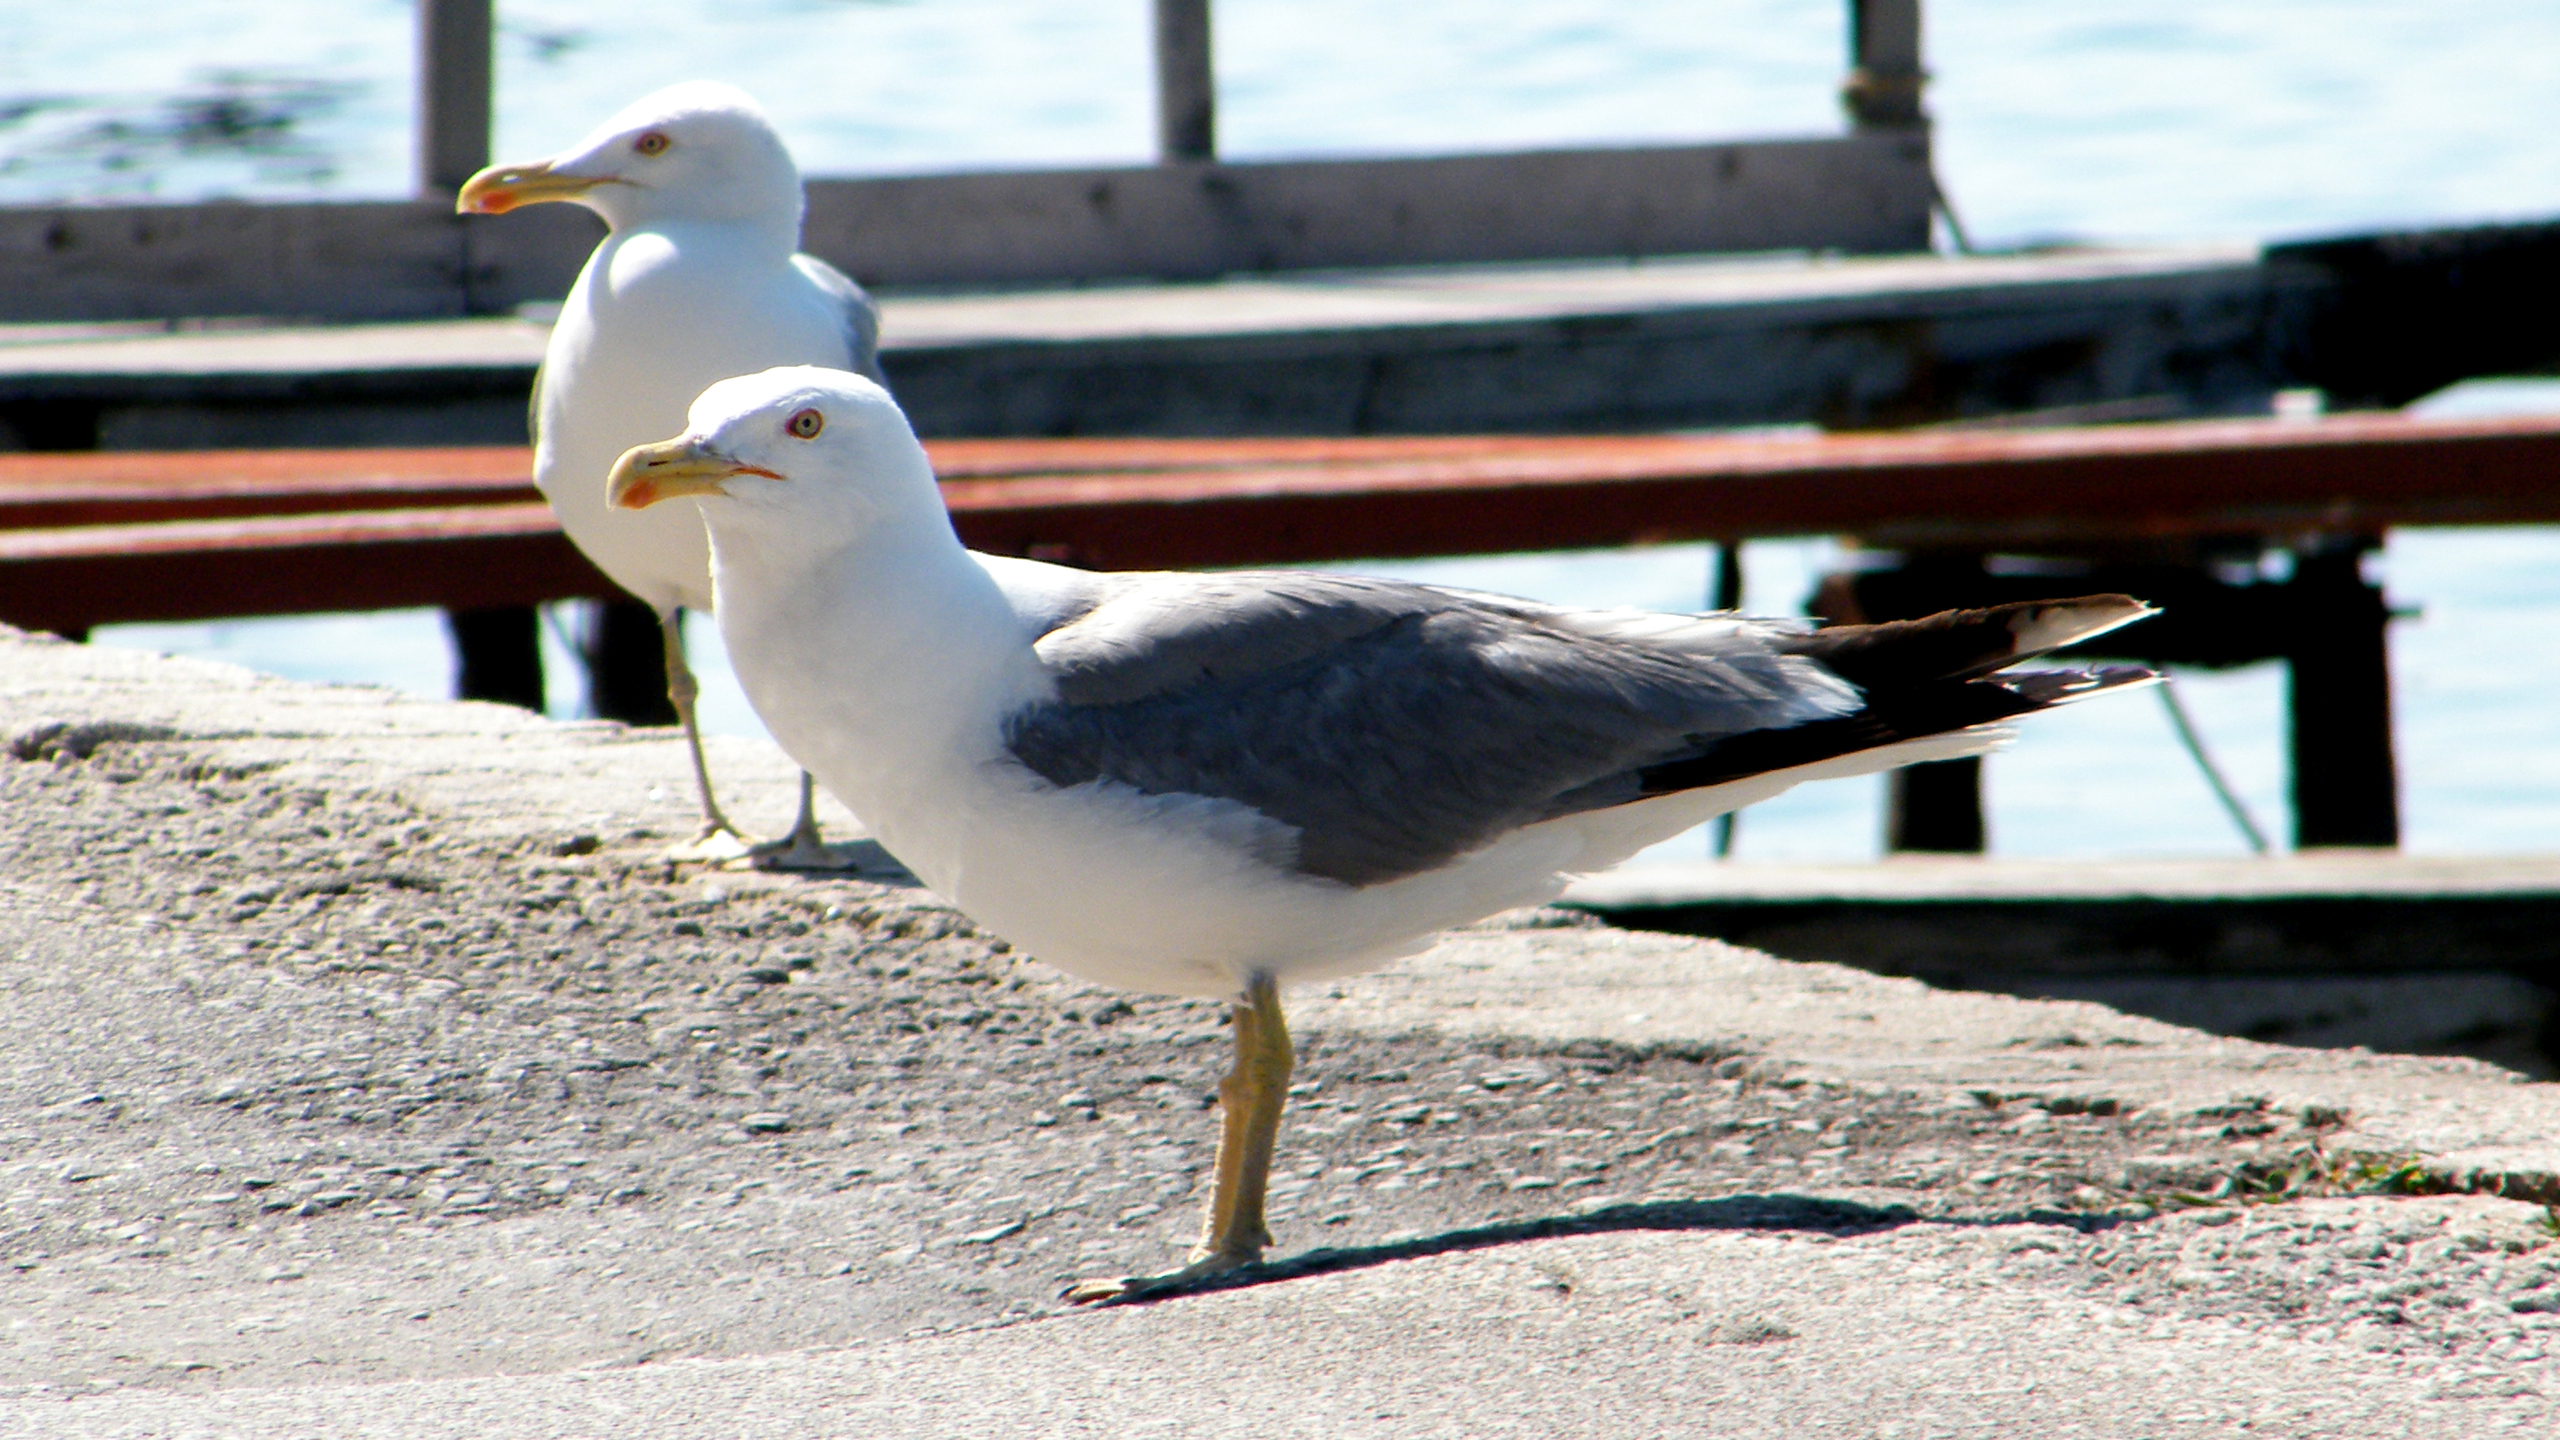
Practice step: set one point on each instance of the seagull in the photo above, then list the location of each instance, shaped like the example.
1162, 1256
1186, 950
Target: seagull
1219, 784
696, 281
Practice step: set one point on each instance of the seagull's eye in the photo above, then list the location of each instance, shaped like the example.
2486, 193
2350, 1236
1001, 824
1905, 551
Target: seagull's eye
653, 142
806, 424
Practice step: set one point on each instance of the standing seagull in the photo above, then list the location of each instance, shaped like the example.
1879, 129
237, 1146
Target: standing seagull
696, 281
1218, 784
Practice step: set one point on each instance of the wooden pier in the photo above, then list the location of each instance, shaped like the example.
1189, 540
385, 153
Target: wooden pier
103, 537
1544, 295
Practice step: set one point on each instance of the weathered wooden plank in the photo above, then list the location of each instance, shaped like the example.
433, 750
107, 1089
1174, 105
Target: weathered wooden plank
1861, 194
334, 261
52, 491
1464, 494
1954, 338
1988, 490
406, 259
1099, 504
1601, 347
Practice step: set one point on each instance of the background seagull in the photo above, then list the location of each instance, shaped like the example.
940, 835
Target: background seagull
1218, 784
697, 281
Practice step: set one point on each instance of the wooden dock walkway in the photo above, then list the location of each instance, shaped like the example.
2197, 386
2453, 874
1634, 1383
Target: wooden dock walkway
1590, 347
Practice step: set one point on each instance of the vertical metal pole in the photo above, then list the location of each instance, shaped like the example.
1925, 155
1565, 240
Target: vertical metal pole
1885, 78
2346, 789
1186, 87
453, 93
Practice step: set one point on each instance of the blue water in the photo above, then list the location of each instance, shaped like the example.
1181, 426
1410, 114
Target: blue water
2103, 119
2115, 119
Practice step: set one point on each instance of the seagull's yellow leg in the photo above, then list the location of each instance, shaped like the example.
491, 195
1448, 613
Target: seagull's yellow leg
719, 839
804, 848
1252, 1096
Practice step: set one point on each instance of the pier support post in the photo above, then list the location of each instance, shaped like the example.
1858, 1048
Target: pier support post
2346, 789
453, 93
627, 665
1885, 78
497, 655
1725, 593
1936, 808
497, 652
1186, 84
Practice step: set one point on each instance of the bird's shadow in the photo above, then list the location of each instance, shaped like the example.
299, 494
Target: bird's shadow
1732, 1212
1729, 1213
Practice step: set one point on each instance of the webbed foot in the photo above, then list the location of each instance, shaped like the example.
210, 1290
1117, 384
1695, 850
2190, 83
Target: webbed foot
718, 844
1127, 1288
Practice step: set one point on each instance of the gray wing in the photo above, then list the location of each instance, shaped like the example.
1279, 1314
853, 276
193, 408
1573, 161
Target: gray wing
1394, 726
533, 409
861, 317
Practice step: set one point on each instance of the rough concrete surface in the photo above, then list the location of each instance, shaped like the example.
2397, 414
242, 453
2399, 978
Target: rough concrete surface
364, 1071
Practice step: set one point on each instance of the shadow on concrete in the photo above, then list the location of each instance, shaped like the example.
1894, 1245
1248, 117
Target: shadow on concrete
1733, 1212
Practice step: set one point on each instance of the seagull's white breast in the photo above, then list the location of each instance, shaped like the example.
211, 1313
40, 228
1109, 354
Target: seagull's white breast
656, 317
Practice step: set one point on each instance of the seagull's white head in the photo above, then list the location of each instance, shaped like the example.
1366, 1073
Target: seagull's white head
821, 456
696, 151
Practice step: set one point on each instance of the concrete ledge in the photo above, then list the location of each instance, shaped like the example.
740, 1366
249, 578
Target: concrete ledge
362, 1071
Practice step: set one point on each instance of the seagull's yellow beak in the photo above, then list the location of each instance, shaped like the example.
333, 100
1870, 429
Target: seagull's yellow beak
502, 188
669, 470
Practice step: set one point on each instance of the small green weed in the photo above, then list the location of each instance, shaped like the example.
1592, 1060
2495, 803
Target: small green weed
2314, 1173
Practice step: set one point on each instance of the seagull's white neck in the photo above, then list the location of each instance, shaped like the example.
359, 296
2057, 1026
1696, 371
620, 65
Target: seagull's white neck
766, 238
882, 663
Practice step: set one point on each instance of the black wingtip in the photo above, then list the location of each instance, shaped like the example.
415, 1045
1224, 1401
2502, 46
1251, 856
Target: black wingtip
2044, 689
2041, 627
1962, 644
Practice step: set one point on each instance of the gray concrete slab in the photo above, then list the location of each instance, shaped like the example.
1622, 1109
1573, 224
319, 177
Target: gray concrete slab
1915, 877
1904, 1334
2439, 954
362, 1071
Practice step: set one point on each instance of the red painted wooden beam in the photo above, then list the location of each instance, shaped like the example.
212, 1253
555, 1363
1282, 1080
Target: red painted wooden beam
1508, 492
1981, 489
113, 487
472, 536
468, 557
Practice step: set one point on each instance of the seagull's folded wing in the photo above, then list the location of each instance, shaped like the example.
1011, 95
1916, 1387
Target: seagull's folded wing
861, 317
1396, 727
